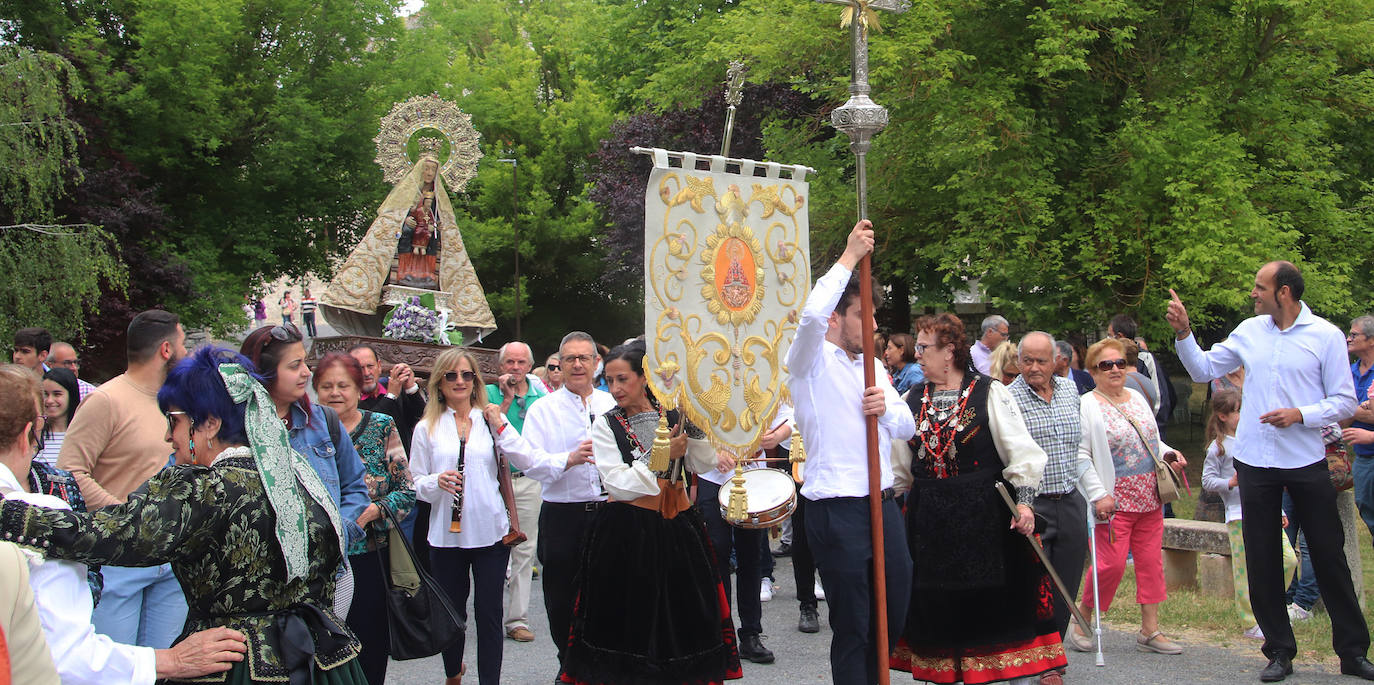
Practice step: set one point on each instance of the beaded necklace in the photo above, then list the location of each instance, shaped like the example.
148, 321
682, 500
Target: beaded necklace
939, 441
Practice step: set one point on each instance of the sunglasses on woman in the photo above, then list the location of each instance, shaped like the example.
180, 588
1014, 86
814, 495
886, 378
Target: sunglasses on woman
1107, 364
452, 377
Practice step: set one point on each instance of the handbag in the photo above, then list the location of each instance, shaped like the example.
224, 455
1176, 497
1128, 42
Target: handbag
1338, 463
507, 486
1167, 481
420, 616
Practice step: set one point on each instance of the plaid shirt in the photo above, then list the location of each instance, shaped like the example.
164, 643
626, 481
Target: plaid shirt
1055, 426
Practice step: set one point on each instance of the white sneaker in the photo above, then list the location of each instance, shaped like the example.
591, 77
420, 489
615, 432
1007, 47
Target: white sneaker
766, 590
820, 591
1297, 613
1254, 633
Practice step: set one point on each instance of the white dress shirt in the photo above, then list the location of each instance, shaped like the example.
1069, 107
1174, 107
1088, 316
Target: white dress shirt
484, 512
827, 392
64, 608
556, 424
1304, 366
627, 482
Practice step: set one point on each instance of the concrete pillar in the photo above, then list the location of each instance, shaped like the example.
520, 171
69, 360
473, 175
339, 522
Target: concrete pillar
1350, 522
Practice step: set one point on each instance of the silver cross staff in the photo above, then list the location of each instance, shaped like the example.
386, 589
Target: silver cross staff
860, 117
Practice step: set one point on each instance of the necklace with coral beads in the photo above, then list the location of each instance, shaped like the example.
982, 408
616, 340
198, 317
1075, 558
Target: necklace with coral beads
937, 435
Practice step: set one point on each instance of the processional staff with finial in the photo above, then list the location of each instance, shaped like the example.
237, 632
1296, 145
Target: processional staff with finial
860, 118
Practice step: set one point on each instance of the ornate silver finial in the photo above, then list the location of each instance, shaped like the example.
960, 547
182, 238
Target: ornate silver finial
734, 83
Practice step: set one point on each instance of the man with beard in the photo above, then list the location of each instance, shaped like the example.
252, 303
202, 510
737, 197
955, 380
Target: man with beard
116, 442
831, 403
1296, 382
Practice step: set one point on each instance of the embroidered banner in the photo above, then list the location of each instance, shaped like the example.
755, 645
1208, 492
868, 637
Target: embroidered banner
727, 271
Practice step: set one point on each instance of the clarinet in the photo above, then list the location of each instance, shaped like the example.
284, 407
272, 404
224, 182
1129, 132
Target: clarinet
455, 524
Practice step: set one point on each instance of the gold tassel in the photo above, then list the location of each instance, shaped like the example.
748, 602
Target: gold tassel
661, 452
738, 508
797, 457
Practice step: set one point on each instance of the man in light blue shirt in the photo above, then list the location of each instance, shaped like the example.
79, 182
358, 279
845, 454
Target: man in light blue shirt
1296, 381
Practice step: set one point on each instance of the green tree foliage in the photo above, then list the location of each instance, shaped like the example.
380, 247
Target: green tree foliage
53, 272
1079, 158
253, 120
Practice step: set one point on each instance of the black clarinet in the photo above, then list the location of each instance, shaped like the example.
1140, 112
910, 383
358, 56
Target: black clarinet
455, 524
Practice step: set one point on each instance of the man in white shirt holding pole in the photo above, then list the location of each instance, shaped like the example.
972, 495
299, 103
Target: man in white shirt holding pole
1297, 380
827, 383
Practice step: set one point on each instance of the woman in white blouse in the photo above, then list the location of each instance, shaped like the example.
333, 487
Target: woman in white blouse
650, 604
1121, 438
459, 421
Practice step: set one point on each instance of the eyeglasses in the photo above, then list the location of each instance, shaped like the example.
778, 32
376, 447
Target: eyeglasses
172, 422
584, 359
1107, 364
1351, 336
921, 347
286, 332
452, 377
69, 363
552, 367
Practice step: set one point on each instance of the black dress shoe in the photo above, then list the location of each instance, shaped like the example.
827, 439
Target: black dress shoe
752, 649
810, 620
783, 550
1359, 666
1279, 667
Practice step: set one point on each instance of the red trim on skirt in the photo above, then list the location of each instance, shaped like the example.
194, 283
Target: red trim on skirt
988, 664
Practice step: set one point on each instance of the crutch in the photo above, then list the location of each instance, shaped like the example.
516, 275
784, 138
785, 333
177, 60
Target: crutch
1097, 606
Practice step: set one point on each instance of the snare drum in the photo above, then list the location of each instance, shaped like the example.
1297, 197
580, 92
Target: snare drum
771, 494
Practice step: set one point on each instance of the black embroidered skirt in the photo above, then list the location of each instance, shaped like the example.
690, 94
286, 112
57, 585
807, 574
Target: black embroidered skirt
981, 602
650, 606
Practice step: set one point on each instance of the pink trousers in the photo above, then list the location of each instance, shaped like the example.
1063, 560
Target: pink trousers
1142, 536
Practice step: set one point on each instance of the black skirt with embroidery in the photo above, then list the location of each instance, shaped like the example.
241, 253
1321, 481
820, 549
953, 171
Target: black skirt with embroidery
650, 606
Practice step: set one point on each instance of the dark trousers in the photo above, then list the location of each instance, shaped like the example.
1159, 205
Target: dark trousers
562, 527
1066, 542
488, 568
747, 544
803, 565
367, 614
308, 318
419, 533
839, 533
1314, 502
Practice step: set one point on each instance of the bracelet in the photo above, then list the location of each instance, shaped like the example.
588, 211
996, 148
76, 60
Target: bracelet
501, 428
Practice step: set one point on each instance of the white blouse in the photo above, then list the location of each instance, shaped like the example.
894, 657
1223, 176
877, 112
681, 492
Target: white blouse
484, 513
625, 482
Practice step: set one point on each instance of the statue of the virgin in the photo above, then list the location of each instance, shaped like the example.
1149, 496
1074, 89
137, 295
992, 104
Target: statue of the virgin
414, 247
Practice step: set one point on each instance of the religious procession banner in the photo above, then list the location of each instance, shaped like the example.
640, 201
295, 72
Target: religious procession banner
727, 270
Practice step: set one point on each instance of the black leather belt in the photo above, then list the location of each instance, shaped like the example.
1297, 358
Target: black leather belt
576, 506
517, 474
888, 493
1049, 496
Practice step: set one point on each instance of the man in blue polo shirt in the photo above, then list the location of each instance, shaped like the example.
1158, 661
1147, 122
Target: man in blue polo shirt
1360, 343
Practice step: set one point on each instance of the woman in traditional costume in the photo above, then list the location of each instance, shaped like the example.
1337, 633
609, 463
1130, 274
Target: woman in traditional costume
250, 530
982, 606
650, 607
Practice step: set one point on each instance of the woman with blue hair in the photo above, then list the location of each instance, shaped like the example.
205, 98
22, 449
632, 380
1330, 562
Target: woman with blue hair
251, 532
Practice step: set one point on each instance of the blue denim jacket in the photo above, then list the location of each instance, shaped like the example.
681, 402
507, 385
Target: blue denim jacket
339, 466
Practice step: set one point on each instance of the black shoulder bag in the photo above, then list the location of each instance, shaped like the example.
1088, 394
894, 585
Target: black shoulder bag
421, 618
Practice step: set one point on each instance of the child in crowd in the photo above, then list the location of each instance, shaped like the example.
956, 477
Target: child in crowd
1219, 476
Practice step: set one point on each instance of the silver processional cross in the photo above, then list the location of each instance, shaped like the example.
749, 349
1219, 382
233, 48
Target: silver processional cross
860, 117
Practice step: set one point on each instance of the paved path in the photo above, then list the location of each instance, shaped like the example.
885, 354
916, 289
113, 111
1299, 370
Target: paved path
802, 658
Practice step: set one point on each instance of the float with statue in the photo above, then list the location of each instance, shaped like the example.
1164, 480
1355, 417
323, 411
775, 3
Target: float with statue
408, 288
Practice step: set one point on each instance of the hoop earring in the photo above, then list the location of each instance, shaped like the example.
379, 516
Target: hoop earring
193, 451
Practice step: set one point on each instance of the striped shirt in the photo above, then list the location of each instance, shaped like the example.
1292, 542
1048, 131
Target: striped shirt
1055, 426
308, 305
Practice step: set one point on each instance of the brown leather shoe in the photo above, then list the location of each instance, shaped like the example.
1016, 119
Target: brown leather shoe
520, 634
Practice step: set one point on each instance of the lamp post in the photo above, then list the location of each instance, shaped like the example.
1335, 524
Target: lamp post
515, 223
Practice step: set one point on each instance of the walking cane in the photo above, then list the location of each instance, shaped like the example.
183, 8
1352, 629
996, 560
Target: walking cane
1097, 606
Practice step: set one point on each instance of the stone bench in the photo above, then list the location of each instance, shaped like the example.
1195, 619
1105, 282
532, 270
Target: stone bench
1197, 556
